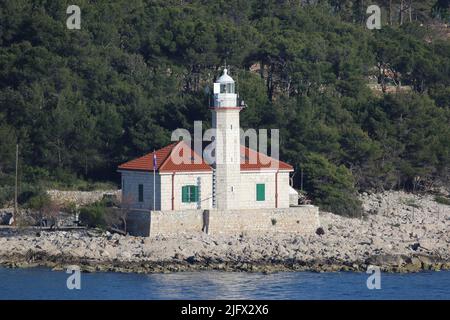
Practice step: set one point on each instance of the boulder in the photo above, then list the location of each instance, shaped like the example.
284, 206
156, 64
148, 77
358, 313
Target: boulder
383, 260
320, 231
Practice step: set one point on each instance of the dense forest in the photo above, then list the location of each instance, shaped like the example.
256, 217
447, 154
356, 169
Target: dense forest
357, 109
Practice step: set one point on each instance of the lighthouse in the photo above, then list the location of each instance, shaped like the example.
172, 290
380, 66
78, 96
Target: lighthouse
225, 120
223, 177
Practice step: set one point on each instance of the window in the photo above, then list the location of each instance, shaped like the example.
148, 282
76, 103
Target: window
230, 87
260, 192
189, 194
227, 88
141, 193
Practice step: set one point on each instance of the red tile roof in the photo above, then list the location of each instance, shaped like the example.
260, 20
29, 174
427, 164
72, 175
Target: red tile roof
181, 161
167, 160
170, 159
254, 160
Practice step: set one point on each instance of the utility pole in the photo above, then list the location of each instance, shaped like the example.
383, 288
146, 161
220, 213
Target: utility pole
301, 178
15, 191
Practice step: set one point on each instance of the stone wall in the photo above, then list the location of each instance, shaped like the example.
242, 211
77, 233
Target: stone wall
138, 223
80, 197
175, 222
298, 220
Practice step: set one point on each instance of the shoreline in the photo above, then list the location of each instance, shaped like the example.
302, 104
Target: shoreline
400, 232
410, 264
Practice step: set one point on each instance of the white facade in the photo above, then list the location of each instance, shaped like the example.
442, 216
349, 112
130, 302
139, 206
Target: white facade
276, 194
168, 186
201, 179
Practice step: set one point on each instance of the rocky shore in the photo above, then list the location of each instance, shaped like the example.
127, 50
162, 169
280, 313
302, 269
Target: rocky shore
399, 232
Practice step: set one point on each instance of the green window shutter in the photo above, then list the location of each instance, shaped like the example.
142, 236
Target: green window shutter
185, 194
141, 193
260, 192
189, 194
194, 193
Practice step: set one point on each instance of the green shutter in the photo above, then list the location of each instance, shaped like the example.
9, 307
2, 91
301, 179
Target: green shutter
185, 194
194, 193
141, 193
260, 192
189, 194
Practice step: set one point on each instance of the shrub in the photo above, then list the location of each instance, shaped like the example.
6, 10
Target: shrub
6, 195
94, 215
411, 203
43, 209
26, 192
39, 201
332, 187
442, 200
35, 174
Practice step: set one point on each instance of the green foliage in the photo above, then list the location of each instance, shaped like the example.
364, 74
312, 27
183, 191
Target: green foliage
39, 202
99, 214
331, 186
94, 215
412, 203
79, 102
6, 195
442, 200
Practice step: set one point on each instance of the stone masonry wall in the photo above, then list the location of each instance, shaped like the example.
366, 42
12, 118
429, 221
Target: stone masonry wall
168, 223
298, 220
81, 197
138, 223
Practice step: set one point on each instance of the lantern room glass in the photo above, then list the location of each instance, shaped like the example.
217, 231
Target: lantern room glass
227, 88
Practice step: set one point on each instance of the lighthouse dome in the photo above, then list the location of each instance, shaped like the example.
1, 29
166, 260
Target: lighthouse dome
225, 78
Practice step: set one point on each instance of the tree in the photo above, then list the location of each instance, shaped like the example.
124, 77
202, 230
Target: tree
80, 103
331, 186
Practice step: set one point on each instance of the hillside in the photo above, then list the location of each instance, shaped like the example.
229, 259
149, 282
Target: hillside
79, 102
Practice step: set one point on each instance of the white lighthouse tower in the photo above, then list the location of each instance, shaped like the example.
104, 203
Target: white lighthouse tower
225, 119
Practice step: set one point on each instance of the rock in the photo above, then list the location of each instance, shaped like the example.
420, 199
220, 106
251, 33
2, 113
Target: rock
320, 231
350, 244
413, 264
385, 260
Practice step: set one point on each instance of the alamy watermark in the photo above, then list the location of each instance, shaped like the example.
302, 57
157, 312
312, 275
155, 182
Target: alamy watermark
374, 20
374, 280
74, 280
74, 20
220, 142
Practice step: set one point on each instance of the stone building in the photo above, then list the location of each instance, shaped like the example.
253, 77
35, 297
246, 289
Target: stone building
178, 178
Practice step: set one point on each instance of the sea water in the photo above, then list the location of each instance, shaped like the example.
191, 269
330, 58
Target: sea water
41, 283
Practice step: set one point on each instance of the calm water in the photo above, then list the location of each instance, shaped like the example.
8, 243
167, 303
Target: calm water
45, 284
